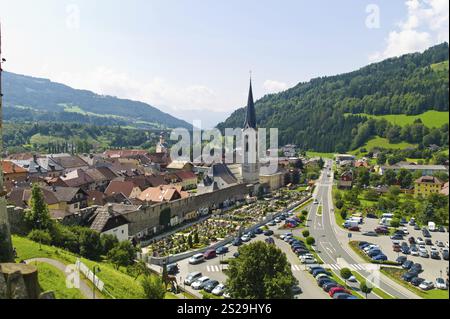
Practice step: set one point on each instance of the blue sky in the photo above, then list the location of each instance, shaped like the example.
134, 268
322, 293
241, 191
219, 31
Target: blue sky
192, 58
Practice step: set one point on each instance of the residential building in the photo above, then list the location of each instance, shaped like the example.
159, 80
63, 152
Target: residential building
129, 189
13, 174
107, 221
427, 185
427, 170
163, 193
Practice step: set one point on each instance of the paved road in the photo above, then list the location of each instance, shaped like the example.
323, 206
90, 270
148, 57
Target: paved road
332, 241
85, 289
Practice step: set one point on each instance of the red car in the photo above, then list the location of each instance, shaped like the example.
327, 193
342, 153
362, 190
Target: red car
355, 228
382, 230
397, 248
336, 290
209, 254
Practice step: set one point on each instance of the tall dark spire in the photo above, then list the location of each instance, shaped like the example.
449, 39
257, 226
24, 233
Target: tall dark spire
250, 118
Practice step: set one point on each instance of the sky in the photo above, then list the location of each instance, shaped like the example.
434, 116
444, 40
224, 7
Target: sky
192, 58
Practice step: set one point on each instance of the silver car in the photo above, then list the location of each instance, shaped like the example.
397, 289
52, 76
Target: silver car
193, 276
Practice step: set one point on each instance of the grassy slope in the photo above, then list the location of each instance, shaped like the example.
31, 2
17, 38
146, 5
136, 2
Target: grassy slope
51, 278
120, 285
429, 118
382, 143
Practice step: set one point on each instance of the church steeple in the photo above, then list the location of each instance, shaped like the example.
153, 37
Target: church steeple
250, 118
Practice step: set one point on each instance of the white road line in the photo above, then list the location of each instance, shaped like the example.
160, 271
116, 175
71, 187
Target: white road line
358, 267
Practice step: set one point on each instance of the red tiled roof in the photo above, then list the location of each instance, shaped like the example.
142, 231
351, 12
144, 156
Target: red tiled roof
163, 193
123, 187
11, 168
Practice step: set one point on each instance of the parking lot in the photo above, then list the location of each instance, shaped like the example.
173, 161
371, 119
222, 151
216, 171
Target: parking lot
432, 268
213, 269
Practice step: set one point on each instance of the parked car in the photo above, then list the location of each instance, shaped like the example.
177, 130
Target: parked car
380, 257
412, 240
414, 251
363, 244
270, 241
401, 260
271, 223
406, 250
408, 276
441, 284
327, 286
218, 290
209, 254
192, 277
440, 243
426, 285
258, 231
428, 242
370, 234
312, 268
426, 233
420, 241
343, 295
221, 250
237, 242
236, 254
370, 215
445, 254
354, 228
397, 248
337, 290
442, 229
397, 237
246, 238
268, 233
324, 280
417, 268
196, 259
435, 255
424, 254
200, 283
296, 290
416, 227
405, 231
382, 231
210, 285
374, 253
407, 264
308, 260
416, 281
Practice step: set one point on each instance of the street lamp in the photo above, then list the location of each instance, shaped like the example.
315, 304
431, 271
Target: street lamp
96, 269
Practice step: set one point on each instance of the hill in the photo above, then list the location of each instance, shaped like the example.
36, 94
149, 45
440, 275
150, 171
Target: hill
34, 99
324, 114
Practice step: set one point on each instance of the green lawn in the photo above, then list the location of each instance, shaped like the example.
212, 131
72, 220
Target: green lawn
51, 278
319, 154
395, 274
441, 66
117, 283
429, 118
381, 142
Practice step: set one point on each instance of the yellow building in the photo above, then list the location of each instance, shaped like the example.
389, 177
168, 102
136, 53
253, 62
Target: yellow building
427, 185
274, 181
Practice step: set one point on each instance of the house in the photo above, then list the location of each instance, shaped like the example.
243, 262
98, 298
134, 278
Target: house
344, 157
156, 180
40, 166
362, 163
129, 189
107, 221
346, 180
163, 193
77, 178
426, 185
99, 180
68, 162
219, 176
96, 198
444, 190
188, 180
273, 181
124, 153
180, 166
62, 201
13, 174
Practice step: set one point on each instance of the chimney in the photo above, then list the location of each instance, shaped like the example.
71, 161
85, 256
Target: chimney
110, 208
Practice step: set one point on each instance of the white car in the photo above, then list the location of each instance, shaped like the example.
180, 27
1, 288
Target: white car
434, 249
192, 277
200, 283
414, 252
439, 243
196, 259
219, 290
426, 285
420, 241
441, 284
246, 238
320, 276
368, 248
352, 279
308, 260
405, 230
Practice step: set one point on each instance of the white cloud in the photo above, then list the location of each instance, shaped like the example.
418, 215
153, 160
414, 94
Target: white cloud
427, 23
271, 86
156, 91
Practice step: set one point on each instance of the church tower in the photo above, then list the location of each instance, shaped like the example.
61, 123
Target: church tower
250, 165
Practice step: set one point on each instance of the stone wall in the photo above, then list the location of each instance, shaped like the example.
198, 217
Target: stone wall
6, 253
147, 217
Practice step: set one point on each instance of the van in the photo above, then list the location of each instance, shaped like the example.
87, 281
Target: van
386, 221
431, 226
387, 215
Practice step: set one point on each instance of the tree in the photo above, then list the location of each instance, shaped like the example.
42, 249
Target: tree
339, 204
153, 287
38, 217
346, 274
389, 177
108, 242
90, 244
40, 236
365, 288
261, 272
305, 233
164, 217
405, 178
310, 241
122, 254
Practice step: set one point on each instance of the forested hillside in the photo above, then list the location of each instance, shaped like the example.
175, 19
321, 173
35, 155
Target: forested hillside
325, 114
28, 99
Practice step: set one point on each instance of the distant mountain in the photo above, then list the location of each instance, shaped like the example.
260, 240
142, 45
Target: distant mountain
34, 99
342, 112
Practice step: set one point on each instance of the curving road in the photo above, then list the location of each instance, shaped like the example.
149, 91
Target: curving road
332, 242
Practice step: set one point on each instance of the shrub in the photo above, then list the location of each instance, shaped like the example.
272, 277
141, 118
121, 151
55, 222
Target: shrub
395, 223
305, 213
108, 242
154, 287
339, 204
305, 233
346, 274
310, 241
344, 214
40, 236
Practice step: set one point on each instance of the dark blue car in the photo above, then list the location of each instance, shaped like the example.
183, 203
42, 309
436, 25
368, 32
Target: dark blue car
221, 250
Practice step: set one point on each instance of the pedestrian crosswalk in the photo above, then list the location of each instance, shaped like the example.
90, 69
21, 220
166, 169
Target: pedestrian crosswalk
216, 268
336, 267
